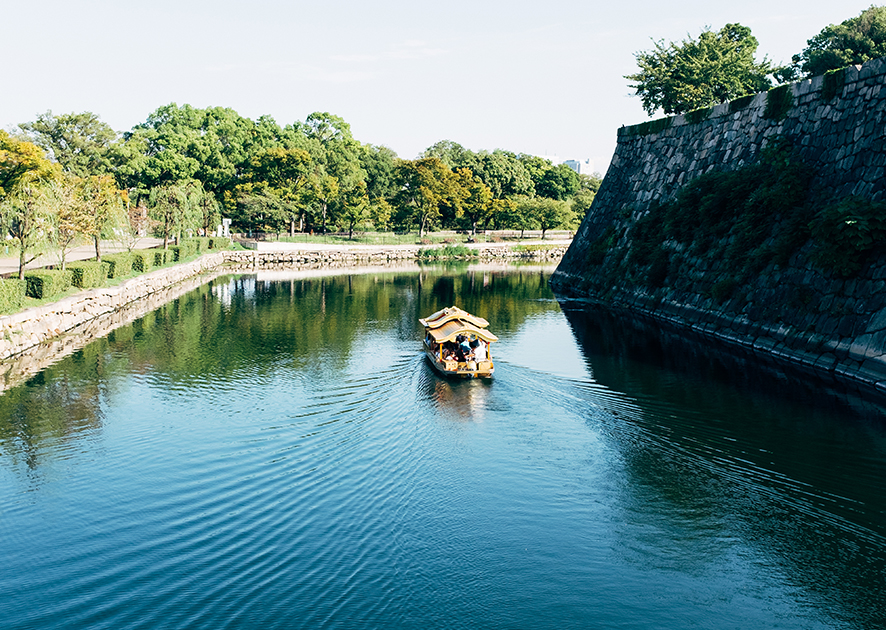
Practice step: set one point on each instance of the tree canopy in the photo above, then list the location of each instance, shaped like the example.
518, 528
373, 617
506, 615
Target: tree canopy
853, 41
697, 73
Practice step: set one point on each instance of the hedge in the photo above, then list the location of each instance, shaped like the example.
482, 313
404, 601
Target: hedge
142, 261
161, 257
12, 295
118, 264
47, 283
219, 242
198, 245
88, 273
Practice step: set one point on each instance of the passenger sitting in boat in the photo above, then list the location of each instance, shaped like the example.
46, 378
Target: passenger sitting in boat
464, 347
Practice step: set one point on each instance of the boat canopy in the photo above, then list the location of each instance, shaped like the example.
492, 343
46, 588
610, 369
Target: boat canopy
453, 328
452, 313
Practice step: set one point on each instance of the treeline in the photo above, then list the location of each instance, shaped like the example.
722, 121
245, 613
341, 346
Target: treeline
63, 177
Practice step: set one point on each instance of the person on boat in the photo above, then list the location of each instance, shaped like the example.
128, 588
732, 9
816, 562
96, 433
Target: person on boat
464, 346
479, 350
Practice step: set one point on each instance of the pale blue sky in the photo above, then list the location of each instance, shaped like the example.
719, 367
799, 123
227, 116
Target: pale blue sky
532, 77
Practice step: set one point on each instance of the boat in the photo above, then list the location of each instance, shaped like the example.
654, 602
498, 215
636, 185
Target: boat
457, 343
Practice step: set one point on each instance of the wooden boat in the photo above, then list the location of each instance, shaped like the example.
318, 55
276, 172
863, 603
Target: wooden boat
457, 343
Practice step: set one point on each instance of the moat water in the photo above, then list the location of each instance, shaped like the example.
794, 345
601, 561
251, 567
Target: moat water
273, 451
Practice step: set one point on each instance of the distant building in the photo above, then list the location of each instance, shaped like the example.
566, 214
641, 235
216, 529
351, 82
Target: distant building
582, 168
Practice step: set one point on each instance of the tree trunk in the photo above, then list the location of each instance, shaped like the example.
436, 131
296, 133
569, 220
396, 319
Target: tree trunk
21, 261
98, 254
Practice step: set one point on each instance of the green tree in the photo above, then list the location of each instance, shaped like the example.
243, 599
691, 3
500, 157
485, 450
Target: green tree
378, 163
551, 214
452, 154
477, 204
519, 214
697, 73
170, 209
355, 207
853, 41
26, 214
80, 143
535, 167
425, 185
69, 218
559, 182
103, 207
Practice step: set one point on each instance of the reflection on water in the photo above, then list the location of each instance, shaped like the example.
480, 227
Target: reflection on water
276, 452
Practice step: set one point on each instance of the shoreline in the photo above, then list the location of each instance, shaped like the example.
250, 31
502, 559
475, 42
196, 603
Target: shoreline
36, 337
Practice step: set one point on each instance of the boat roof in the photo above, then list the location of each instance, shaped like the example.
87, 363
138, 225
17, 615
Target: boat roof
449, 314
453, 328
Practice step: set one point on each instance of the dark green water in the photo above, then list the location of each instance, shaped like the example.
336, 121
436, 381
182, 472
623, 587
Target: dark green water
275, 452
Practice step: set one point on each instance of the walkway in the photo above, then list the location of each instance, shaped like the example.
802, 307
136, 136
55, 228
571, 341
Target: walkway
9, 264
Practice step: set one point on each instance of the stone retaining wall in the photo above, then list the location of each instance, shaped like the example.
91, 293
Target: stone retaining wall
796, 312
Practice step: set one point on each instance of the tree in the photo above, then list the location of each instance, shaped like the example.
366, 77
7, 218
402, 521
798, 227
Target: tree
425, 185
559, 182
477, 203
103, 206
355, 207
519, 214
854, 41
26, 217
551, 214
80, 143
380, 212
169, 207
21, 162
69, 218
378, 164
697, 73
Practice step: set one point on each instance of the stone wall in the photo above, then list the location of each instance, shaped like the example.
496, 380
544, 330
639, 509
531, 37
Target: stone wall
795, 312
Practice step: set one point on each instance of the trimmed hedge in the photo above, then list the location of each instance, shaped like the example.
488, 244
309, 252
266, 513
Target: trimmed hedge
142, 261
12, 295
118, 264
87, 274
198, 244
47, 283
161, 257
219, 242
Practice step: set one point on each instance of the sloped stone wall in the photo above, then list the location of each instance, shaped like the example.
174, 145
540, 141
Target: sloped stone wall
798, 313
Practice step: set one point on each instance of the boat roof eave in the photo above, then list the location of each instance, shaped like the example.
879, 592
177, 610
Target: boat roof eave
442, 317
452, 329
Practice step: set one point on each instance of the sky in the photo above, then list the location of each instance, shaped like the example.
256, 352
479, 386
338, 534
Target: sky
544, 78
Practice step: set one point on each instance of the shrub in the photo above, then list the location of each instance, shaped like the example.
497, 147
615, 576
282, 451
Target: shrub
832, 84
740, 103
778, 102
647, 128
161, 257
47, 283
118, 264
845, 233
12, 295
88, 273
698, 115
142, 261
198, 245
724, 289
219, 242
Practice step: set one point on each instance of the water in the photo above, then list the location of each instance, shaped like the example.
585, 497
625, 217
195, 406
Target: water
274, 452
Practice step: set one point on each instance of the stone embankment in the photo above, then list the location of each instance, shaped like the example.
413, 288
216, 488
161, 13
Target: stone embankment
346, 256
795, 312
55, 330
